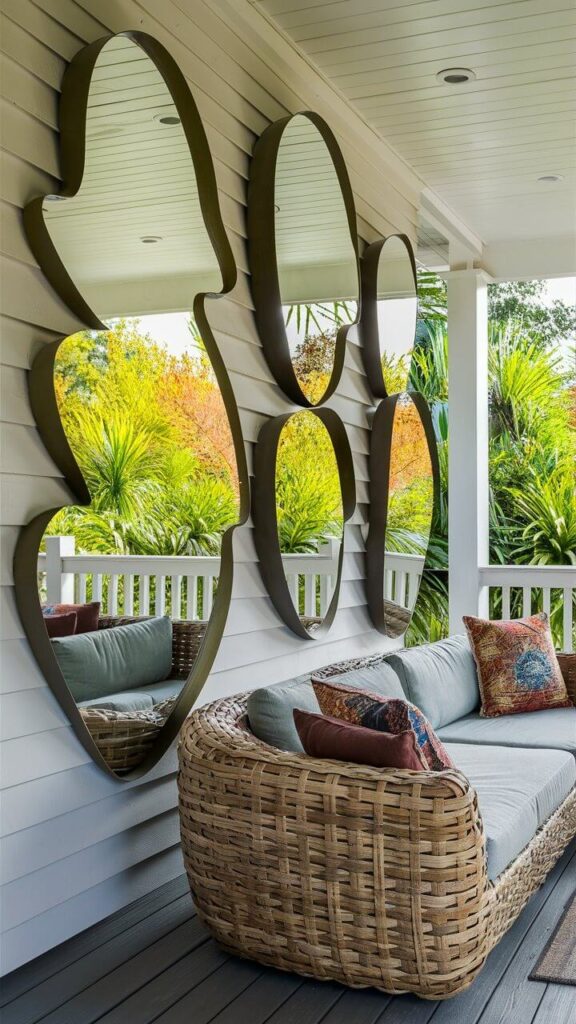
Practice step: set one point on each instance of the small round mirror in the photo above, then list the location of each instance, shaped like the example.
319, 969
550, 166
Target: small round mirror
389, 311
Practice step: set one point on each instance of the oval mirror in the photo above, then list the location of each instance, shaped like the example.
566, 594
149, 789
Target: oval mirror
389, 312
303, 495
124, 593
403, 494
303, 255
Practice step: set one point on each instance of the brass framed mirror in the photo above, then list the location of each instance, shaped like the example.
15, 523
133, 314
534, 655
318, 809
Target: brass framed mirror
124, 591
303, 251
303, 495
389, 310
404, 493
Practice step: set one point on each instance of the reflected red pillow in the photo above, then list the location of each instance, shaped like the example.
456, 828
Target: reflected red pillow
87, 615
332, 738
60, 625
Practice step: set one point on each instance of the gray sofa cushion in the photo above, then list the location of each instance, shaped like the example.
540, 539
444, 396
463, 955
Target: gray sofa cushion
517, 791
440, 678
270, 708
554, 729
137, 700
113, 660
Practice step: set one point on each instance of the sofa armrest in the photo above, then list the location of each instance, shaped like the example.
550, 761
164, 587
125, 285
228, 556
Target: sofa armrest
366, 876
567, 664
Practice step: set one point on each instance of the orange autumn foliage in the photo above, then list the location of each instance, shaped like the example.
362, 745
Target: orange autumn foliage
410, 458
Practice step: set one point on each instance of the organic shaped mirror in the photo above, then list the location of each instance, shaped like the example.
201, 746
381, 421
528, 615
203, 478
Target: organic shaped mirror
403, 495
124, 591
303, 255
303, 494
389, 309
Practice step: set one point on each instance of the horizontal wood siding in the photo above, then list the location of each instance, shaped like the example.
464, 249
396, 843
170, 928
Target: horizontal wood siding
74, 845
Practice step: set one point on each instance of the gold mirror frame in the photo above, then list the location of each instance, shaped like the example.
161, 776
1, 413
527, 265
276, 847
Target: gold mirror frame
73, 110
379, 463
368, 325
266, 520
265, 282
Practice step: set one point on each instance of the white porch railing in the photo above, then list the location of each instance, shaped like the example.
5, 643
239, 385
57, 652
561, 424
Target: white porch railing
184, 586
526, 589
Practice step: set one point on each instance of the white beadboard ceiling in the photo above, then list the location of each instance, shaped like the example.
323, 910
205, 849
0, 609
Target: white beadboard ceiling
480, 146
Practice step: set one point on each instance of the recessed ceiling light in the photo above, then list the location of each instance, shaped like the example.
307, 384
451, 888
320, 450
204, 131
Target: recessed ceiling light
456, 76
169, 120
151, 239
550, 179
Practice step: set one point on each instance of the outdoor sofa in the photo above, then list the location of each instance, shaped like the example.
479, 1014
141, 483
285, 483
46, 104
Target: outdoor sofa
389, 878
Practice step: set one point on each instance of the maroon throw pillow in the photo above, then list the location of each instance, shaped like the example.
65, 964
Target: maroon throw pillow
60, 625
322, 736
87, 615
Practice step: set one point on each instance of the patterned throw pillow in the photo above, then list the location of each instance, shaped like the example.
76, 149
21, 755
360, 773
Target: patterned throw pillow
517, 665
387, 714
87, 615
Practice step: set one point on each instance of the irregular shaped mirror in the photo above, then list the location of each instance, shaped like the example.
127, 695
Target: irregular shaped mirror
124, 594
303, 496
389, 311
303, 255
403, 490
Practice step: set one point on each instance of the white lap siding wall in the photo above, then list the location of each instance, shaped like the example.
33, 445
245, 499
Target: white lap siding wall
75, 845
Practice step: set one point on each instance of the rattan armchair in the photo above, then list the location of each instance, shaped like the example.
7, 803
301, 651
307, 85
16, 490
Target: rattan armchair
344, 872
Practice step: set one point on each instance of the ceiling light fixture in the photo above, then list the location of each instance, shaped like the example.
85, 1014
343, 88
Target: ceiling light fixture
151, 239
550, 179
455, 76
168, 120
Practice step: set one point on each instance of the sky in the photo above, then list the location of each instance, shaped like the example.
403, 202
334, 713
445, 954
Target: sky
171, 329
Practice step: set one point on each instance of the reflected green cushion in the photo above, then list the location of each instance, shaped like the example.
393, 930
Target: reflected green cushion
439, 678
129, 701
270, 709
111, 661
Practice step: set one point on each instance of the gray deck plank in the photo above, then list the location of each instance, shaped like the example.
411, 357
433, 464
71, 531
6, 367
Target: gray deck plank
97, 964
43, 967
155, 962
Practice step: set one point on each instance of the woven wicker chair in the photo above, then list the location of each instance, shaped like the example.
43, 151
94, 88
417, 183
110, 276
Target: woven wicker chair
344, 872
125, 737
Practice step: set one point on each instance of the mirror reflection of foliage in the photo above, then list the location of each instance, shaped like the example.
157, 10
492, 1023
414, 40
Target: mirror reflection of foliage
308, 495
150, 433
317, 326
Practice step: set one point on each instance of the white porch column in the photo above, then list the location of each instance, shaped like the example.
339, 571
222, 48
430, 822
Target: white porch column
468, 443
59, 584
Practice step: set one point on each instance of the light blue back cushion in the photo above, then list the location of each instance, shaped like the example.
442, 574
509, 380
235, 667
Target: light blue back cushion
117, 659
440, 678
270, 708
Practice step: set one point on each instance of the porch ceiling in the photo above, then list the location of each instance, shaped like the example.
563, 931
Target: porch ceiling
480, 146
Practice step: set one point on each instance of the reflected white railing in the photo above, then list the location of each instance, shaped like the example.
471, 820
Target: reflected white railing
184, 586
525, 589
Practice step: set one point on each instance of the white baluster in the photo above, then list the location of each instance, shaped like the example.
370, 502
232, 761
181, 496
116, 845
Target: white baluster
176, 591
310, 595
413, 580
324, 594
546, 600
207, 597
505, 601
160, 599
191, 598
389, 585
526, 600
400, 589
128, 594
113, 595
292, 581
97, 587
82, 588
59, 585
567, 620
144, 596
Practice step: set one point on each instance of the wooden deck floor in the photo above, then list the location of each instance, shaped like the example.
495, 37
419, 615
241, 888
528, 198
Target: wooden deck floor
154, 961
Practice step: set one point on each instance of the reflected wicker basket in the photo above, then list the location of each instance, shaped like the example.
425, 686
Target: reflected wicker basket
125, 737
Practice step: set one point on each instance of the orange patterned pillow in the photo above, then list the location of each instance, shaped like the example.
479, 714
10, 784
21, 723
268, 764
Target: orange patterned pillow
517, 665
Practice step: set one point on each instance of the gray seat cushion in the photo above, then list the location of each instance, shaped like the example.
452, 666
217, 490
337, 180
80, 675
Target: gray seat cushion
440, 678
517, 791
270, 708
110, 661
554, 729
137, 700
